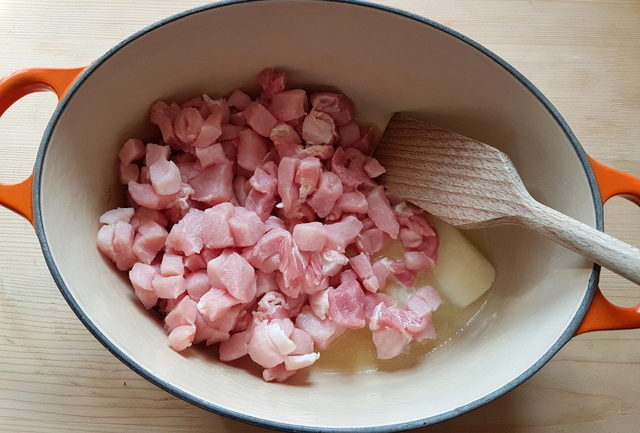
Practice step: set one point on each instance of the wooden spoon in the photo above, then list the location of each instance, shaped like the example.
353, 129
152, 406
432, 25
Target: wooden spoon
470, 185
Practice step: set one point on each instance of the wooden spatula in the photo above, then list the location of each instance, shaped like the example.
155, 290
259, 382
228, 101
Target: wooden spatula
470, 185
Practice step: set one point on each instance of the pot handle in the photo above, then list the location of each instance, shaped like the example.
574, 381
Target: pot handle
602, 314
18, 197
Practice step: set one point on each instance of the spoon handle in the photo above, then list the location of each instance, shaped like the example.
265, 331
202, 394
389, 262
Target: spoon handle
612, 253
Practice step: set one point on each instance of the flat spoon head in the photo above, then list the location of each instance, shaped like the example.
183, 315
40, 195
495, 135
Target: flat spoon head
460, 180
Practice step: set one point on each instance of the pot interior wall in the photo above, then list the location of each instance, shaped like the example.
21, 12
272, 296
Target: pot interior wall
386, 63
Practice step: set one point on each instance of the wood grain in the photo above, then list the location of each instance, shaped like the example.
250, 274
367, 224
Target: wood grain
55, 377
470, 184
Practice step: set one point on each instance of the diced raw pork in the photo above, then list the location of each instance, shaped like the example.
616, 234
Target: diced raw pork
319, 128
197, 284
165, 177
215, 231
246, 227
128, 173
214, 184
346, 305
289, 105
251, 149
328, 192
381, 213
216, 302
323, 332
141, 276
168, 287
186, 236
112, 216
259, 118
132, 150
310, 236
238, 99
235, 274
337, 105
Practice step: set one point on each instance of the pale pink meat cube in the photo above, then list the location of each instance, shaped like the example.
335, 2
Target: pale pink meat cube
286, 140
371, 301
349, 134
303, 342
382, 269
168, 287
128, 173
197, 284
149, 241
218, 108
246, 227
328, 192
162, 115
310, 236
349, 166
209, 155
171, 265
215, 303
332, 262
271, 82
343, 233
259, 118
308, 175
141, 276
425, 300
286, 188
238, 99
216, 232
235, 274
319, 128
186, 235
187, 125
323, 332
381, 213
289, 105
132, 150
373, 168
251, 149
268, 246
389, 342
337, 105
264, 181
235, 347
405, 276
184, 313
165, 177
319, 303
418, 261
214, 184
372, 240
409, 238
112, 216
352, 202
123, 236
346, 305
262, 349
361, 265
144, 195
182, 337
210, 131
155, 153
279, 373
278, 331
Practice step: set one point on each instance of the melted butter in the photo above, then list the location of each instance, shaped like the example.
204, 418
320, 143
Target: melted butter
354, 351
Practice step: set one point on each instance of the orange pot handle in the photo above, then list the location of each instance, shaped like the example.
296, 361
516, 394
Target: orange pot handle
14, 86
602, 314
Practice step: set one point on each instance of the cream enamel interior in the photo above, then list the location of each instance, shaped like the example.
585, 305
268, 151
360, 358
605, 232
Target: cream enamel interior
386, 63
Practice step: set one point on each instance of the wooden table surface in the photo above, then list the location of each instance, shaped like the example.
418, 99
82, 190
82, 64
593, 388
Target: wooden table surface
55, 377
